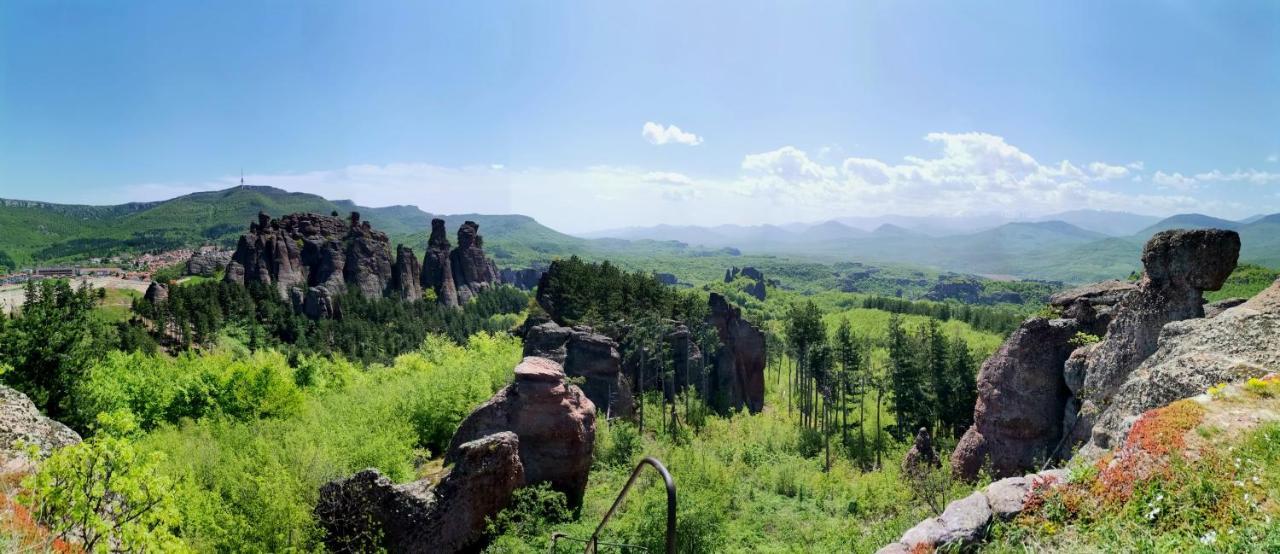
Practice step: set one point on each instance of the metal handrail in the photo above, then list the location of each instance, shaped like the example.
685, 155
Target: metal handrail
594, 541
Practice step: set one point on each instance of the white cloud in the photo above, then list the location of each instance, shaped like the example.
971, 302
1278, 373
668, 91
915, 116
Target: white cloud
1251, 176
656, 133
1174, 180
667, 178
1273, 158
966, 174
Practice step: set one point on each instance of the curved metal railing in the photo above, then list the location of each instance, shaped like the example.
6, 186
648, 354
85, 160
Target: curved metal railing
594, 542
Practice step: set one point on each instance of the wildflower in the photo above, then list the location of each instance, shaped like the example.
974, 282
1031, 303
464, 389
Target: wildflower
1153, 513
1209, 538
1240, 484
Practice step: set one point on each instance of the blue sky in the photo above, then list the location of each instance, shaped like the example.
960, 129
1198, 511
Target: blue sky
786, 111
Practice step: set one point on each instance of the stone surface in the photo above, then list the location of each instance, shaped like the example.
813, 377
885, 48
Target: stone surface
1212, 309
739, 361
523, 279
406, 274
553, 419
21, 422
437, 271
1007, 496
586, 354
156, 292
964, 522
1179, 265
206, 263
311, 259
757, 286
1021, 397
1191, 356
367, 512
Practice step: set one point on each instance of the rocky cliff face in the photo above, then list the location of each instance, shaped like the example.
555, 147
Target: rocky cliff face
312, 259
1191, 356
1179, 266
739, 362
406, 274
206, 263
757, 286
1042, 368
456, 275
523, 279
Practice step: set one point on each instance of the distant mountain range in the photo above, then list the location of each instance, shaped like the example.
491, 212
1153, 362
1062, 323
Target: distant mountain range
1072, 246
1075, 246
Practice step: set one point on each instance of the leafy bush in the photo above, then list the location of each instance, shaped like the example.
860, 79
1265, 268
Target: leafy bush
251, 484
159, 389
105, 494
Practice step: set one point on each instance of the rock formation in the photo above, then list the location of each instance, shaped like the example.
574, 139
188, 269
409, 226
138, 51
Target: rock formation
1017, 419
206, 263
472, 270
757, 286
21, 422
587, 354
459, 274
964, 522
437, 272
157, 292
1043, 367
666, 278
1191, 356
311, 260
553, 419
523, 279
922, 455
1179, 265
367, 512
406, 274
539, 429
739, 361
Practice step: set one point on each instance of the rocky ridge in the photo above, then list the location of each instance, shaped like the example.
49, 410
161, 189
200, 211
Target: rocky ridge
313, 259
1041, 393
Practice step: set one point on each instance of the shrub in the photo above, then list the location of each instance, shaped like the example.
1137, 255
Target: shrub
105, 494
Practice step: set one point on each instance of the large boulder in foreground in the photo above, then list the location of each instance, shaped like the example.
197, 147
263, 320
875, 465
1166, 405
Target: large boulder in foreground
367, 512
740, 360
1179, 266
1021, 394
555, 421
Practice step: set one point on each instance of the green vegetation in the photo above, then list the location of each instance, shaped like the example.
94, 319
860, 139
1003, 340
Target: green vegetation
199, 314
1246, 281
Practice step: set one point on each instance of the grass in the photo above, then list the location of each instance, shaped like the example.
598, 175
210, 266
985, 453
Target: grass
1246, 281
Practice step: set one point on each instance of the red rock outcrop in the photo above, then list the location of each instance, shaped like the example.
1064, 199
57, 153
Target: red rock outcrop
555, 421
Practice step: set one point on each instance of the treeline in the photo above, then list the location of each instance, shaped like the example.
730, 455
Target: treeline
979, 317
575, 291
369, 330
929, 380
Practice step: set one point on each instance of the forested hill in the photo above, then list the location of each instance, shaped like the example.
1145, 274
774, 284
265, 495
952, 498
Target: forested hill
39, 232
